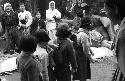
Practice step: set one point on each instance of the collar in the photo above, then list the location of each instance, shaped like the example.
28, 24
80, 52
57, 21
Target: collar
26, 54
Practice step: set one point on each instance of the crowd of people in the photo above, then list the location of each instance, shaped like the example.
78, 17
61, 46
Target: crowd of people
55, 49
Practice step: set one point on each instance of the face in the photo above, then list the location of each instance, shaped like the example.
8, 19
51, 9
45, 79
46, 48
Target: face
38, 15
22, 7
8, 8
52, 6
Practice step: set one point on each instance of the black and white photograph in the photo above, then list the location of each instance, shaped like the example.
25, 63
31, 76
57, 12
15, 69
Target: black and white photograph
62, 40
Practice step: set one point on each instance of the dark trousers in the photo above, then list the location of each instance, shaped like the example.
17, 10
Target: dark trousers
62, 73
12, 39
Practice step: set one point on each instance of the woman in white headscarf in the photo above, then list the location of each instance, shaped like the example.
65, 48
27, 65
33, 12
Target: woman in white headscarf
51, 15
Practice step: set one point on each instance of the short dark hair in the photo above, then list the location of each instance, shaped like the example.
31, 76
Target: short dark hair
42, 36
27, 44
22, 4
63, 31
86, 22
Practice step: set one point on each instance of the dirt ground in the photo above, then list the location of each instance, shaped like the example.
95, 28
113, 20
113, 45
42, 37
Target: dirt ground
100, 71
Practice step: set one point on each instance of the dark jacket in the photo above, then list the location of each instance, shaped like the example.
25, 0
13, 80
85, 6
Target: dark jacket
9, 21
36, 23
68, 53
28, 68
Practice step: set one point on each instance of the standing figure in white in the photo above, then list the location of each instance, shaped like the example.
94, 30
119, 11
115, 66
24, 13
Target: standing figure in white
51, 15
25, 19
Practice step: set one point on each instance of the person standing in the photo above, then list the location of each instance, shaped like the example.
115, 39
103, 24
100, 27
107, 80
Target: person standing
41, 53
66, 54
37, 24
27, 65
25, 19
83, 51
51, 15
9, 21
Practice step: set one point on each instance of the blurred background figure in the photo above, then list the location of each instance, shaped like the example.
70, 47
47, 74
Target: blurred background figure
116, 14
37, 24
9, 21
25, 19
52, 15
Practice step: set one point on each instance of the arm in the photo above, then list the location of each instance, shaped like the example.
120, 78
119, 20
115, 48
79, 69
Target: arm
58, 14
2, 22
33, 72
111, 31
30, 19
86, 45
44, 62
48, 18
17, 19
72, 55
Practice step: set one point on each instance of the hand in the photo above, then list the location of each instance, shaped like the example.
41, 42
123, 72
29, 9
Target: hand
49, 20
74, 70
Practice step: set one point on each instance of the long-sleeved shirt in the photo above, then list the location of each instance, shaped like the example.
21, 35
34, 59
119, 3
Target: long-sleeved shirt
26, 15
43, 58
51, 13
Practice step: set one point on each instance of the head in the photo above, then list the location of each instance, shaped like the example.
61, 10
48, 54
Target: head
38, 15
7, 7
63, 31
115, 9
42, 36
28, 44
52, 5
96, 23
86, 23
79, 14
22, 7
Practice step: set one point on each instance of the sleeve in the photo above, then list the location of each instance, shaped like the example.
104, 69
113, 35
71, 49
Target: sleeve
111, 31
30, 19
58, 14
48, 16
85, 43
44, 62
16, 19
2, 23
33, 72
20, 24
72, 55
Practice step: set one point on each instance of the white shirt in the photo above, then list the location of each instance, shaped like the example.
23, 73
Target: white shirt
25, 15
50, 14
43, 58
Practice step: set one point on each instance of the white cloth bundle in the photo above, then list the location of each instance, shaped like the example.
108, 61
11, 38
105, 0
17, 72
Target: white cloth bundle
8, 65
101, 52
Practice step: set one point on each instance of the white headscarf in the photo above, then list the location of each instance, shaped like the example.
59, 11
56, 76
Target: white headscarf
51, 3
5, 5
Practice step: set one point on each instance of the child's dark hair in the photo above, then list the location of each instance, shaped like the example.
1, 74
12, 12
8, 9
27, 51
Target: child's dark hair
42, 36
86, 23
27, 44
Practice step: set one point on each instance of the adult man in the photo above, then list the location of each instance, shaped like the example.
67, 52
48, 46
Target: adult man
25, 19
9, 21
